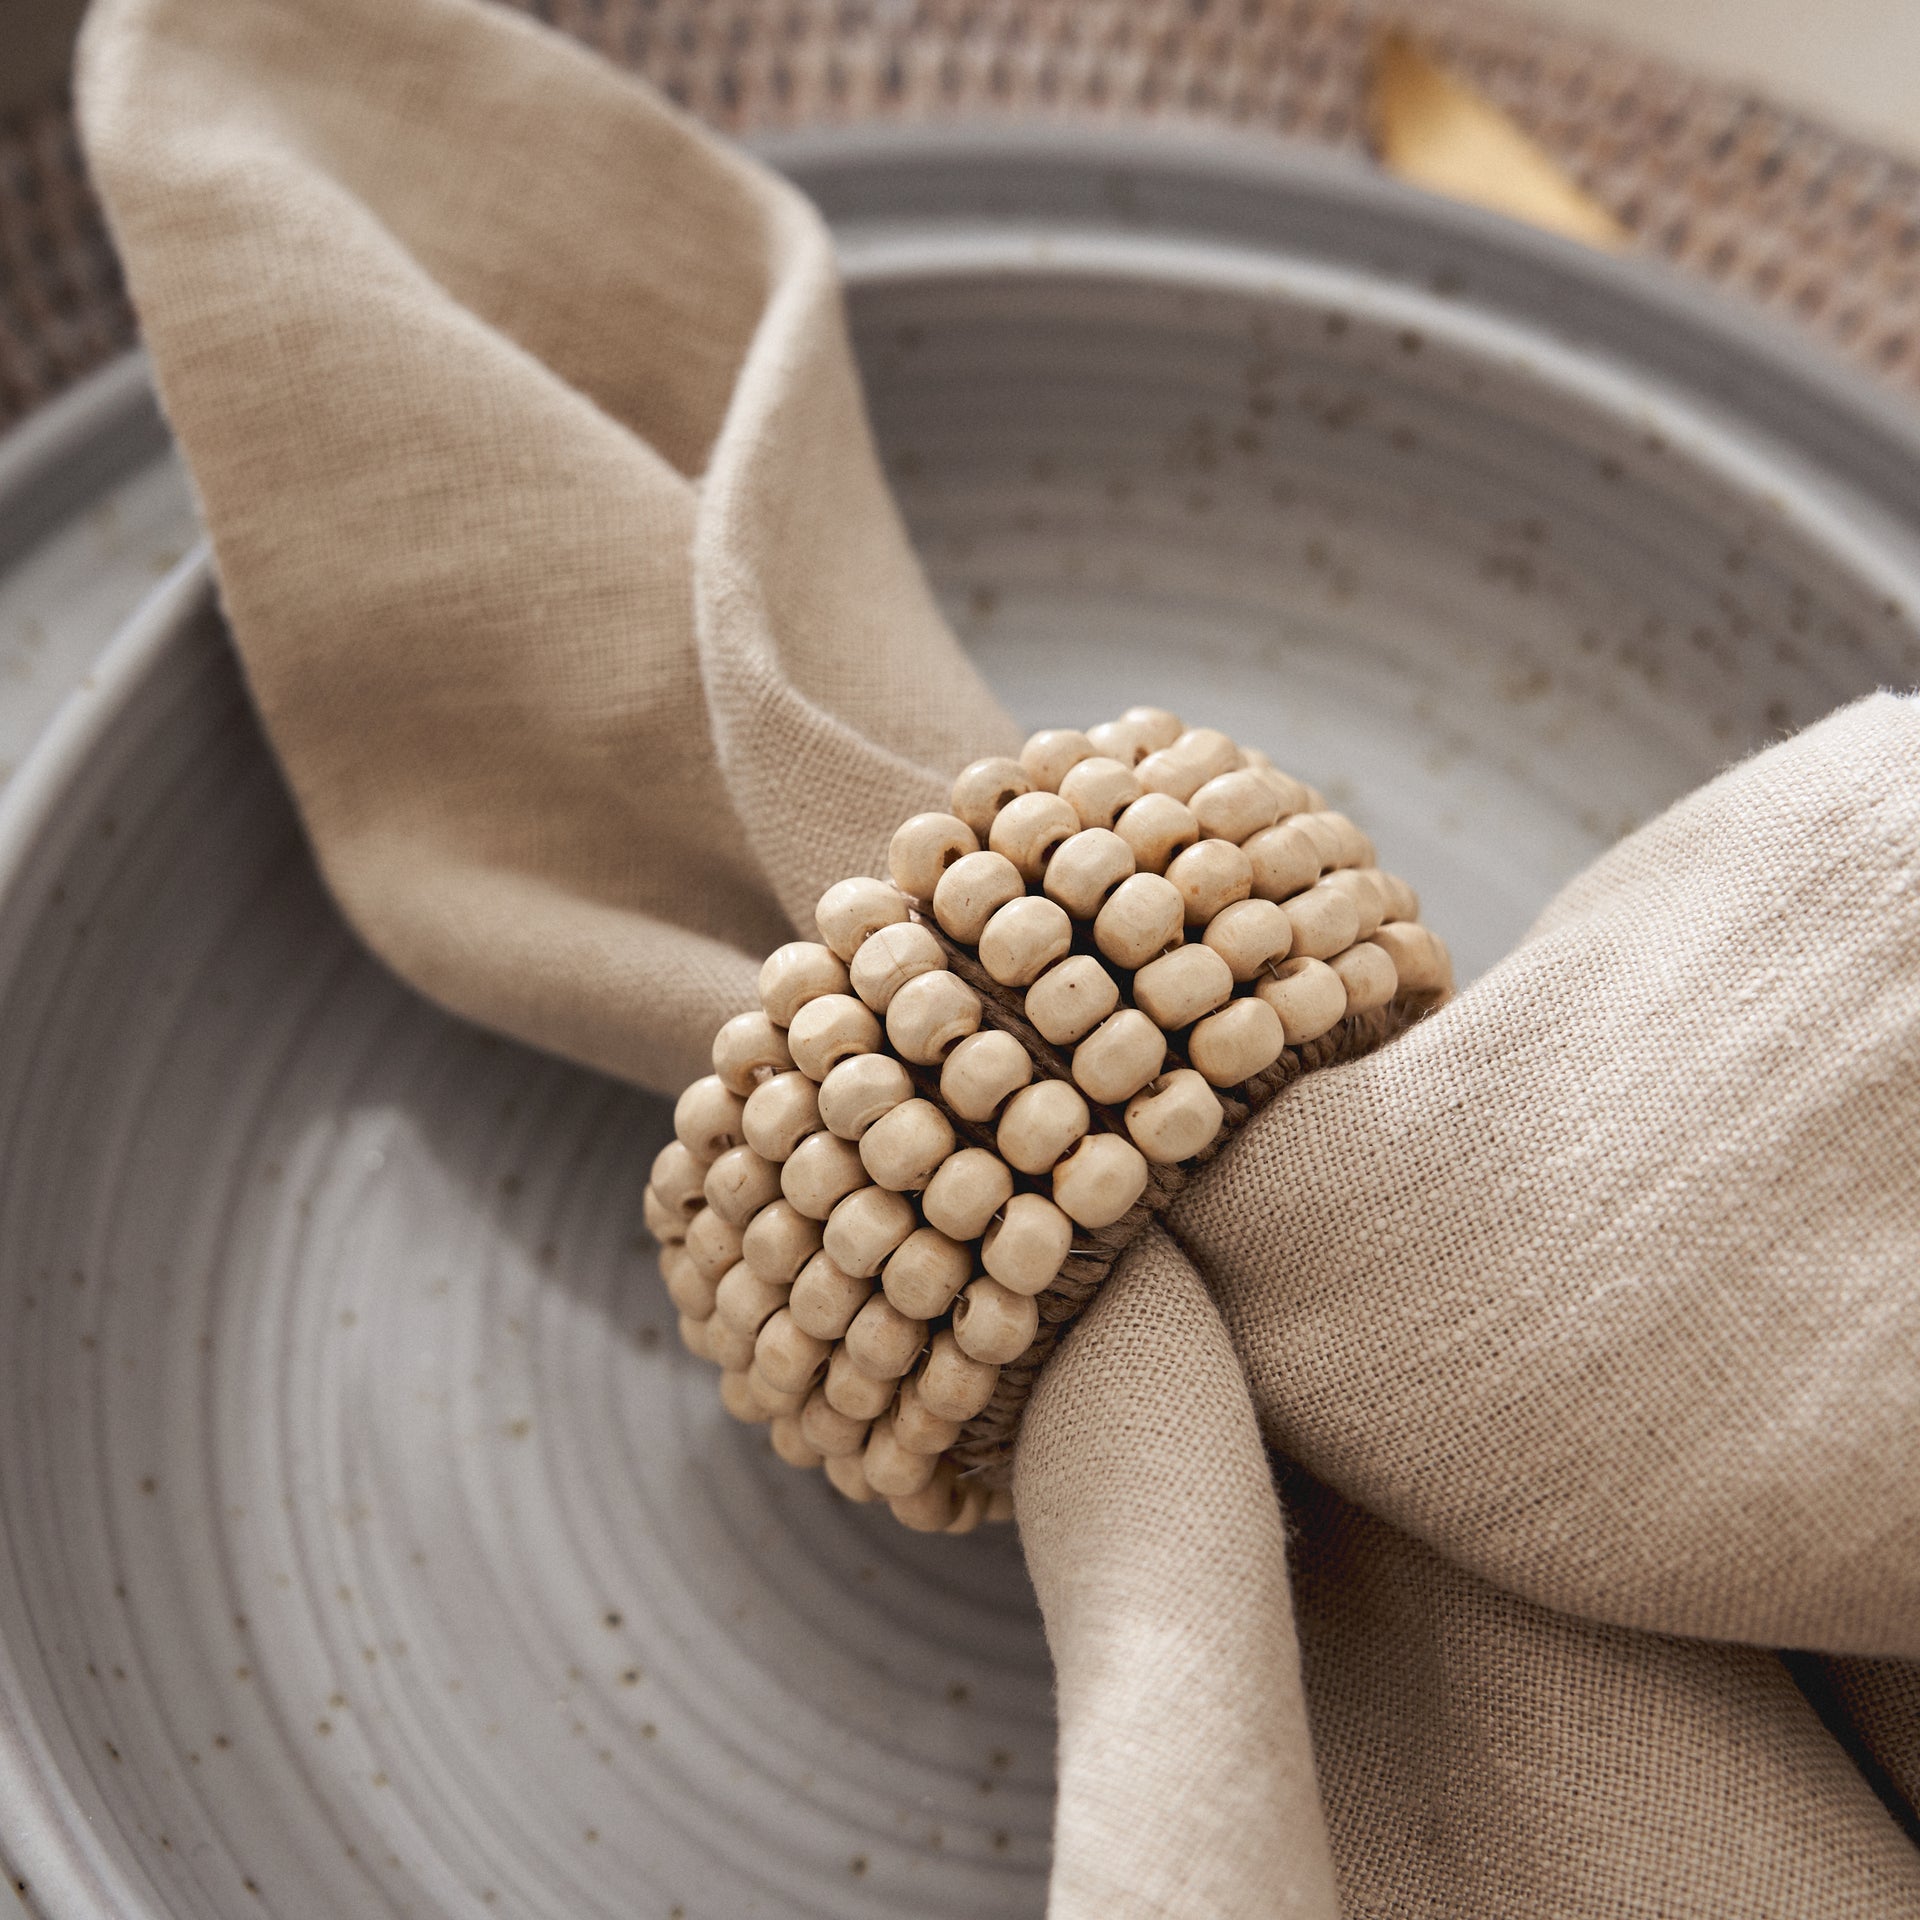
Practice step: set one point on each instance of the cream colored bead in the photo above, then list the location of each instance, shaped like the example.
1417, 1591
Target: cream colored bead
714, 1244
925, 848
1210, 876
729, 1347
1100, 1180
789, 1358
1025, 1247
819, 1173
1049, 754
916, 1428
972, 891
1325, 921
1307, 995
1024, 939
902, 1148
993, 1323
863, 1230
827, 1030
829, 1432
887, 960
1086, 869
852, 911
933, 1508
781, 1112
894, 1470
1138, 732
1175, 1117
744, 1301
1144, 918
984, 788
690, 1290
740, 1183
826, 1297
1180, 987
1402, 902
1235, 806
925, 1272
1099, 789
791, 1443
1119, 1057
1294, 795
1041, 1122
693, 1336
1199, 755
747, 1050
1157, 727
859, 1090
739, 1399
1285, 861
707, 1118
1420, 962
980, 1073
779, 1241
665, 1223
1342, 843
884, 1341
678, 1180
1157, 827
773, 1403
1068, 1001
1368, 975
930, 1016
950, 1383
792, 975
858, 1395
1368, 897
968, 1190
1244, 1038
848, 1473
1249, 936
1027, 832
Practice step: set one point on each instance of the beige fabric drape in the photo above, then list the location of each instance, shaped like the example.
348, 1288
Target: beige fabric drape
1584, 1322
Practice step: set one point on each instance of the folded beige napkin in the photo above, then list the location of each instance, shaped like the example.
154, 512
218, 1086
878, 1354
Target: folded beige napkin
1583, 1323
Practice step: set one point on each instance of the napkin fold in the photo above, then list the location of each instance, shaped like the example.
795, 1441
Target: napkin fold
1574, 1339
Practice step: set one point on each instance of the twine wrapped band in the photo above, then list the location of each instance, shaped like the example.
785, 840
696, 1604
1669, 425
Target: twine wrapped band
914, 1167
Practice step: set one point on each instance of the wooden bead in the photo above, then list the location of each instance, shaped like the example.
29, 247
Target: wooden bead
892, 1469
1249, 936
1119, 1057
972, 891
714, 1244
1180, 987
1049, 754
1144, 918
1293, 795
884, 1341
790, 1358
781, 1112
1138, 732
1325, 921
1402, 902
1175, 1118
1308, 996
740, 1183
860, 1089
887, 960
863, 1230
858, 1395
1210, 875
829, 1432
693, 1336
729, 1347
1024, 939
1244, 1038
902, 1148
826, 1297
819, 1173
1098, 789
1235, 806
678, 1180
1157, 827
739, 1399
825, 1031
1199, 755
1100, 1180
993, 1323
747, 1050
691, 1291
918, 1429
1285, 861
982, 1071
1342, 843
743, 1300
665, 1223
1368, 975
952, 1384
707, 1118
1025, 1247
779, 1241
930, 1016
1369, 899
1086, 869
924, 848
792, 975
1156, 726
925, 1272
848, 1473
1028, 830
968, 1190
984, 788
773, 1403
934, 1507
1420, 962
1040, 1123
852, 911
791, 1443
1069, 1000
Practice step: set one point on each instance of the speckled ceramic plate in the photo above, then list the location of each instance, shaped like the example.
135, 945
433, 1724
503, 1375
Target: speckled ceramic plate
369, 1548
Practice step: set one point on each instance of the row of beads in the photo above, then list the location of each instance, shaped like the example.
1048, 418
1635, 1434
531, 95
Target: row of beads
859, 1272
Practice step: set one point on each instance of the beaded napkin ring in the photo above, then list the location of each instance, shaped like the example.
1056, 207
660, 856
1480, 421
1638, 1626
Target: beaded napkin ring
912, 1168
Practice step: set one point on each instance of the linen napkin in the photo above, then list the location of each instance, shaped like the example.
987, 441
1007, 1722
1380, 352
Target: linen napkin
1417, 1514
